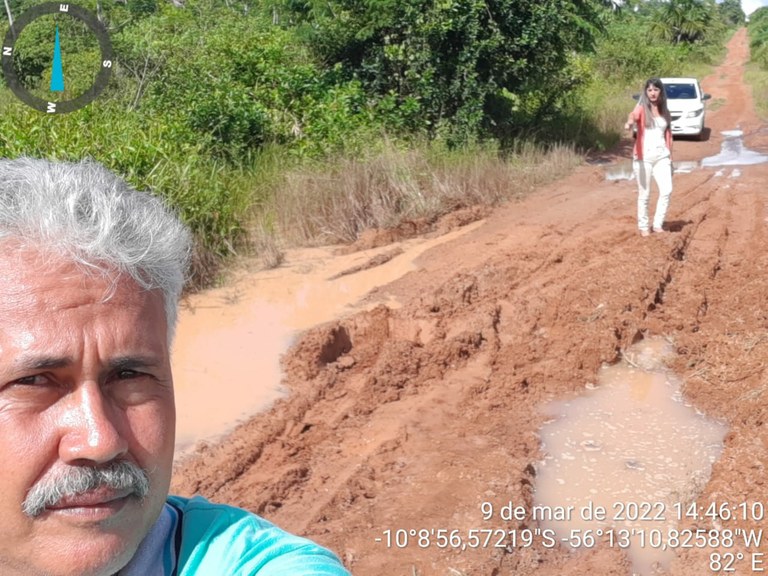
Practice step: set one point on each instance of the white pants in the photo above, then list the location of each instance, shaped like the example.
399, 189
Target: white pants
661, 171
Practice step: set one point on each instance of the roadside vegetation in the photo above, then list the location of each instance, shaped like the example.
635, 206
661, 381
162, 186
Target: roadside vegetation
287, 122
757, 71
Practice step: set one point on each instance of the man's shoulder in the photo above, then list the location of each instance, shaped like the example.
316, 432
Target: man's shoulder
199, 513
211, 535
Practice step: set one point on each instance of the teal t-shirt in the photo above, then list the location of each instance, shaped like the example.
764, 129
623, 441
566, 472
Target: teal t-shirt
194, 537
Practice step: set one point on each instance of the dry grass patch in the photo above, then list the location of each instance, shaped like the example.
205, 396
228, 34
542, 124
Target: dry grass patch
747, 374
335, 202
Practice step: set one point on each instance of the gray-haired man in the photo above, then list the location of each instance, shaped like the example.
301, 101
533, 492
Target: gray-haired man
91, 276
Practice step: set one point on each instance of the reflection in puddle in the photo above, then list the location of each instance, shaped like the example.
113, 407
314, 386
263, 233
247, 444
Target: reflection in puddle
633, 446
684, 166
733, 153
620, 171
624, 170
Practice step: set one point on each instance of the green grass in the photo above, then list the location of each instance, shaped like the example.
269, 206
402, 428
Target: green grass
757, 78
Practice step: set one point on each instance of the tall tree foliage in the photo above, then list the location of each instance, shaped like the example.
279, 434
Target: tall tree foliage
758, 36
438, 64
732, 13
686, 21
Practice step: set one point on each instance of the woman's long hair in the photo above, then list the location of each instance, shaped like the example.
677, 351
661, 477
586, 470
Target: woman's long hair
661, 102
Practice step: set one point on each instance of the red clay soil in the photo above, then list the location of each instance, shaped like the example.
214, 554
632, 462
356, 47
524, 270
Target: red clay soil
411, 418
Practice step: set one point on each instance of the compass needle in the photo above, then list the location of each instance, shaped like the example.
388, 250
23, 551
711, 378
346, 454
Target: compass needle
57, 72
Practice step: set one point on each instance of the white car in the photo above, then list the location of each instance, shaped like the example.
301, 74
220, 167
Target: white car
685, 101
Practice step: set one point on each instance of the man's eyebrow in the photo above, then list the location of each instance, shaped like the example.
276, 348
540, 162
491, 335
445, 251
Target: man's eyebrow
26, 363
131, 362
41, 362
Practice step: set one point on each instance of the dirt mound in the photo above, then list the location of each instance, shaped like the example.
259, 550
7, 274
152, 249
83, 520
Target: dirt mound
377, 260
378, 237
410, 419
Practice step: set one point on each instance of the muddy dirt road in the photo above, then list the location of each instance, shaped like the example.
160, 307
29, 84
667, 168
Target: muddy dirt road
412, 418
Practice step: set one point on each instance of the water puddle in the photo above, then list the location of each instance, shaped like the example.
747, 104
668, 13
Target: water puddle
732, 153
226, 356
624, 170
621, 171
632, 448
226, 365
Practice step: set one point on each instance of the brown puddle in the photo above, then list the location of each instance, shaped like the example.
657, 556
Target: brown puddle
632, 446
226, 356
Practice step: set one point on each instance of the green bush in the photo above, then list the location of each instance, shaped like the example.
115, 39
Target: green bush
758, 37
152, 153
242, 84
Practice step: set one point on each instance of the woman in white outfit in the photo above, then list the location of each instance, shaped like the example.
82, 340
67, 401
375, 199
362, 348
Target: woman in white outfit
652, 153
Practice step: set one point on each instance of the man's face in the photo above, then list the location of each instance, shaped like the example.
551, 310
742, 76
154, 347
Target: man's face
84, 383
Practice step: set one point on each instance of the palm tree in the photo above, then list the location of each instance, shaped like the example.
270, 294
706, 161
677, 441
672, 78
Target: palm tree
683, 20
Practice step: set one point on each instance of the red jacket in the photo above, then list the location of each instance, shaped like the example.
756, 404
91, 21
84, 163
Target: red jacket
638, 115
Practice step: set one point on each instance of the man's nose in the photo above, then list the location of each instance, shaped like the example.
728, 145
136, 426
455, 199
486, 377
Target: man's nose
92, 427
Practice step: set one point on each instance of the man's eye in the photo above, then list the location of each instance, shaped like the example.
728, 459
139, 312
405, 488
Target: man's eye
32, 392
129, 374
35, 380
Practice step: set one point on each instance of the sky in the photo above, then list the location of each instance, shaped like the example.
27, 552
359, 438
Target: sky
750, 6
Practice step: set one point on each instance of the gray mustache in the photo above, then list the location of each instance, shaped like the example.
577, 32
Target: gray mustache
75, 480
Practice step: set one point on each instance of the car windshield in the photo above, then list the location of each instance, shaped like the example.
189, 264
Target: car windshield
680, 91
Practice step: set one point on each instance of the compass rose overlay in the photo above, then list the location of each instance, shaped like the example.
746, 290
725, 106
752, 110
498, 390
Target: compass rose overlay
63, 106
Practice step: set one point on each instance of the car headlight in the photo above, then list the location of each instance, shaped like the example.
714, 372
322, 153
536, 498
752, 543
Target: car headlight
694, 113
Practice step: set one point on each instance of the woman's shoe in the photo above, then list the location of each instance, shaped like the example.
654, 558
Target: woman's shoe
658, 230
644, 232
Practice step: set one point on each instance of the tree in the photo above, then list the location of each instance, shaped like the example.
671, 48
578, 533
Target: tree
437, 65
731, 12
685, 21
